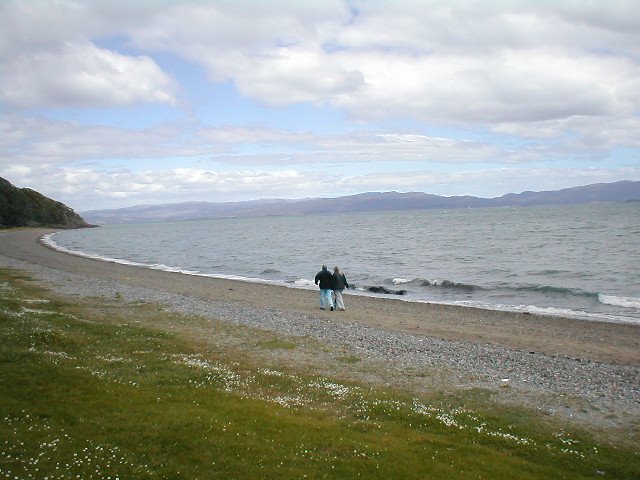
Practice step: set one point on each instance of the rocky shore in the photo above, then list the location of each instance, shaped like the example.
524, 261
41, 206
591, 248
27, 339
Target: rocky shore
578, 379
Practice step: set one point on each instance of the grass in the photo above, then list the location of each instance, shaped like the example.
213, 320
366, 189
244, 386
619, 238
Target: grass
349, 359
276, 344
97, 396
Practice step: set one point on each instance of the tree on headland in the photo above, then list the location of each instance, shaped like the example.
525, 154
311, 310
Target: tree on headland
24, 207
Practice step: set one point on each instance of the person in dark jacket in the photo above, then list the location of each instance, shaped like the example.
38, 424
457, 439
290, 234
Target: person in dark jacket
325, 281
339, 284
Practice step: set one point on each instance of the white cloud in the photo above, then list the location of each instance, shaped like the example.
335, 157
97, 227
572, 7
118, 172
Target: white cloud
293, 75
48, 58
273, 51
205, 29
85, 189
427, 26
430, 60
580, 134
458, 62
307, 148
82, 74
245, 134
37, 141
530, 82
511, 85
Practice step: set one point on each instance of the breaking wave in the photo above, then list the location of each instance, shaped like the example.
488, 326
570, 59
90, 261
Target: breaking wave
627, 302
268, 271
437, 282
552, 290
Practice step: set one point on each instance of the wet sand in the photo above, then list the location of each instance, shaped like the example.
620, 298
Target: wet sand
596, 341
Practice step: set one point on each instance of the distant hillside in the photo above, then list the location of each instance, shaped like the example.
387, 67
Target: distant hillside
23, 207
623, 191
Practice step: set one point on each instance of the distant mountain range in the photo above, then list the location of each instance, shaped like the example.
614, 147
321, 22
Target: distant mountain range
23, 207
624, 191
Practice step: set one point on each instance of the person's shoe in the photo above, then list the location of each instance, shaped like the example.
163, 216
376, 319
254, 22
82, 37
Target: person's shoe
331, 309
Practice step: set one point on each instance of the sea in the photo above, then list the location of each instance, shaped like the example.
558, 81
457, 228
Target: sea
577, 261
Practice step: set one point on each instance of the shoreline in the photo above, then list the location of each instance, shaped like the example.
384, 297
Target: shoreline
586, 372
371, 291
593, 340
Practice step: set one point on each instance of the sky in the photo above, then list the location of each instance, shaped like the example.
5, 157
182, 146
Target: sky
110, 104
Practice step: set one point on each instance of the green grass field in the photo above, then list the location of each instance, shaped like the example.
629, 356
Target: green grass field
96, 396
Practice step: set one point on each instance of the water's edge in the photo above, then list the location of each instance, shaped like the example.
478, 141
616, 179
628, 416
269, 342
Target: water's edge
48, 241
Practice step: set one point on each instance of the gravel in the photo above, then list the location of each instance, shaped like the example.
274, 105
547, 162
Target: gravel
610, 392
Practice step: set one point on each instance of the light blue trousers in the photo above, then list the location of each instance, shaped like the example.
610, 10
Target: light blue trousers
325, 298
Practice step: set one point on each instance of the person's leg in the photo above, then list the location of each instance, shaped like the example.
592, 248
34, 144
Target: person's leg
327, 298
322, 307
339, 300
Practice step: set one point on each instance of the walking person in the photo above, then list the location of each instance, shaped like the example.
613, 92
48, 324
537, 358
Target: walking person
339, 284
325, 281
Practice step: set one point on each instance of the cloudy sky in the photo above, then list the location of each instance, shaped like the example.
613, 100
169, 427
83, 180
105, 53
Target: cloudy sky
107, 104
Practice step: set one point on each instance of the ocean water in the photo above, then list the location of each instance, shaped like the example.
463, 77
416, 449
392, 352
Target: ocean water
574, 261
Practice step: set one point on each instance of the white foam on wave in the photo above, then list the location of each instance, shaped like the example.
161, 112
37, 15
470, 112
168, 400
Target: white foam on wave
627, 302
400, 280
167, 268
577, 314
48, 241
542, 311
240, 278
304, 283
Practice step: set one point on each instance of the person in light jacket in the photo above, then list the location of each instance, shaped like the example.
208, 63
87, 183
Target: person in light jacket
339, 284
325, 279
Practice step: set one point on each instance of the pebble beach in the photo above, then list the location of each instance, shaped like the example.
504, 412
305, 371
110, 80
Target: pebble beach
584, 371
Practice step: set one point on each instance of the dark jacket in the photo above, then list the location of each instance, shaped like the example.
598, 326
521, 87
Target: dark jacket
325, 278
340, 282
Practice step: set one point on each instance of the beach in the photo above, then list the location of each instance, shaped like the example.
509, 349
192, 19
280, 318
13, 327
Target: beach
540, 358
